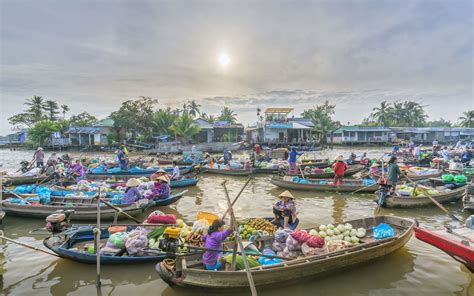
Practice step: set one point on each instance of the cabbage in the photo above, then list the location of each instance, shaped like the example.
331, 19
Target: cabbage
336, 231
354, 239
323, 234
347, 232
180, 223
327, 238
341, 228
360, 234
338, 237
361, 229
330, 226
353, 232
323, 227
313, 232
347, 238
348, 226
330, 232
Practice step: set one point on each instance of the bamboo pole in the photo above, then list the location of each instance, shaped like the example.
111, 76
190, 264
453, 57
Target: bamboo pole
26, 245
97, 243
237, 197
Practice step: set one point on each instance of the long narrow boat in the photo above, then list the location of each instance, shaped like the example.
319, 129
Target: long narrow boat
468, 199
85, 208
458, 243
348, 186
72, 247
184, 182
189, 272
2, 215
134, 173
266, 170
15, 181
350, 172
414, 177
228, 172
416, 202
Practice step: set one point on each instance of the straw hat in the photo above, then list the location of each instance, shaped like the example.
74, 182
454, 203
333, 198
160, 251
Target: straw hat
339, 158
286, 194
133, 182
374, 165
160, 171
40, 148
162, 178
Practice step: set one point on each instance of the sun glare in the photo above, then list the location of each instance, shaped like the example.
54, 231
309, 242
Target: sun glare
224, 59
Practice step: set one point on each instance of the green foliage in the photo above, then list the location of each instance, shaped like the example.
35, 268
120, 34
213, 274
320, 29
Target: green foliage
64, 110
184, 127
439, 123
228, 115
52, 110
321, 117
402, 114
163, 119
467, 120
193, 108
37, 108
208, 118
42, 131
82, 119
135, 116
22, 119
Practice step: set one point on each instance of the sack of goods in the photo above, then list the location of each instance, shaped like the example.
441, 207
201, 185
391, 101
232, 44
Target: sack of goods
454, 166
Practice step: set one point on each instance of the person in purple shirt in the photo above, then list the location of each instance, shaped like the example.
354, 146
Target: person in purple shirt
77, 170
132, 194
213, 240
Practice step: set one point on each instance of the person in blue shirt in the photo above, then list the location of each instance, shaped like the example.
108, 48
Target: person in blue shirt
466, 156
292, 160
122, 158
226, 156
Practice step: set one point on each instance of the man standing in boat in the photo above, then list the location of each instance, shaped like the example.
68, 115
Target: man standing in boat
340, 168
39, 157
176, 173
292, 161
226, 156
122, 158
393, 173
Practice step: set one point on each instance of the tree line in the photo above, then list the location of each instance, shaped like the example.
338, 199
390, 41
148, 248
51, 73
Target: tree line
141, 119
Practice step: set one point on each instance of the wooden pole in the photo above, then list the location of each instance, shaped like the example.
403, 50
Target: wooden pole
117, 209
236, 198
25, 245
239, 241
97, 242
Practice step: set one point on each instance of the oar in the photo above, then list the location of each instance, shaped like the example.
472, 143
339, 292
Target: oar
119, 210
25, 245
239, 241
237, 197
360, 189
439, 205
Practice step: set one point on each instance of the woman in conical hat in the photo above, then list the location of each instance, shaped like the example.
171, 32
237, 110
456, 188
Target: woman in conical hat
285, 211
132, 194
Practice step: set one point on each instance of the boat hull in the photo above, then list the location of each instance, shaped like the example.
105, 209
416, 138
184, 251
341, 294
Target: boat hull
235, 172
416, 202
349, 186
349, 172
15, 181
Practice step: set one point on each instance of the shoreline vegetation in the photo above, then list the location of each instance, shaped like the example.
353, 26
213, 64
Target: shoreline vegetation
143, 119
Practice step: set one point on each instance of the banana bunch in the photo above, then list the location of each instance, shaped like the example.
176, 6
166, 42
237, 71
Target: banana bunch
262, 224
194, 239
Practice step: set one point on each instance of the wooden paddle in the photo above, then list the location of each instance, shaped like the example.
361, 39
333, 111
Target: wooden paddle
237, 197
25, 245
15, 194
119, 210
239, 241
439, 205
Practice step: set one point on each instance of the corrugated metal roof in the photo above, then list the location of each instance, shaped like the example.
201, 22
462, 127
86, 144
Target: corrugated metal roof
278, 110
358, 128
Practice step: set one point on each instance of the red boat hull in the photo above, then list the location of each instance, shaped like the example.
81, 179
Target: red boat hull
460, 252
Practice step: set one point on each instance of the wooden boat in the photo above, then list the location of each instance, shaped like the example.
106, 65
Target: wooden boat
415, 202
72, 247
189, 271
85, 211
266, 171
135, 173
468, 199
352, 170
458, 243
15, 181
229, 172
414, 177
2, 215
187, 180
349, 185
167, 161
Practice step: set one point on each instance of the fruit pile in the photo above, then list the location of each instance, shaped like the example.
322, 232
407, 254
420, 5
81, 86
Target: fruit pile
262, 224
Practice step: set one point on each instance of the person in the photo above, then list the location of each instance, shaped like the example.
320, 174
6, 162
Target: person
374, 171
216, 234
420, 155
395, 149
267, 157
122, 159
285, 211
77, 170
124, 149
292, 160
466, 156
230, 155
393, 173
159, 173
340, 168
352, 158
39, 157
364, 159
226, 156
411, 147
175, 175
458, 144
417, 151
445, 154
435, 144
258, 149
162, 188
207, 158
132, 194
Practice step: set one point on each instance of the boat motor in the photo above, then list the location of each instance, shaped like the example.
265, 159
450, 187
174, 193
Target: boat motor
58, 221
170, 241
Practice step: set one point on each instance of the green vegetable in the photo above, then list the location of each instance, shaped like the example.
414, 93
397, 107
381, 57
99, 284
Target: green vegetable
239, 261
156, 232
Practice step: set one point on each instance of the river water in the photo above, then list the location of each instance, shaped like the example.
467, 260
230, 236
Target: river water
416, 269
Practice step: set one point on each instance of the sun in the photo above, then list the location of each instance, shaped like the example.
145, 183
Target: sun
224, 59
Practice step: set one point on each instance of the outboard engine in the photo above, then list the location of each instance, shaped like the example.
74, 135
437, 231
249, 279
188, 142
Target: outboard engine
58, 221
470, 222
24, 166
170, 241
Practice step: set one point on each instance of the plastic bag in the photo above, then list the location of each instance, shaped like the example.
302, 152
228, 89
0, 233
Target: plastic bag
201, 226
136, 241
278, 246
268, 261
460, 179
382, 231
336, 245
301, 236
117, 240
310, 251
315, 241
161, 219
447, 178
292, 244
281, 235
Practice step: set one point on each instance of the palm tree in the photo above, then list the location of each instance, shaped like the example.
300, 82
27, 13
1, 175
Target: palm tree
468, 119
208, 118
37, 106
184, 127
228, 115
193, 108
163, 119
52, 108
381, 115
414, 114
64, 110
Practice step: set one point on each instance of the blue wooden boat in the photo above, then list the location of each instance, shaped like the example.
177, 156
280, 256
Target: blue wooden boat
184, 182
99, 173
71, 246
167, 201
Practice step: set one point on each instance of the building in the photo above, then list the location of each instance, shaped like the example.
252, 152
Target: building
360, 135
430, 134
280, 126
219, 131
91, 135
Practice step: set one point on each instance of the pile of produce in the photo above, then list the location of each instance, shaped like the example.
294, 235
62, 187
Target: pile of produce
418, 171
420, 191
342, 232
262, 224
195, 233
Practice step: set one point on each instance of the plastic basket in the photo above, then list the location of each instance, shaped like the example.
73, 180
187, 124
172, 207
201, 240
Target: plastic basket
210, 217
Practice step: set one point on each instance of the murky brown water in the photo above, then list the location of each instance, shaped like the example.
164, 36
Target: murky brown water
416, 269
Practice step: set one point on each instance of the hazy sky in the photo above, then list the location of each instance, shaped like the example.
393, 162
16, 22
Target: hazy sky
92, 55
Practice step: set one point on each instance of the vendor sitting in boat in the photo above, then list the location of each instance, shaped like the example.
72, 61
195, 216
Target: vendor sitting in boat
132, 194
285, 211
213, 240
77, 170
374, 171
162, 188
159, 173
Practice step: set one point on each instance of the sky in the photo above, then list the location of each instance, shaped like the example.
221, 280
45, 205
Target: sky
93, 55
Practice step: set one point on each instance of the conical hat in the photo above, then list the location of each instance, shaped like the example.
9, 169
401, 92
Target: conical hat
287, 194
133, 182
